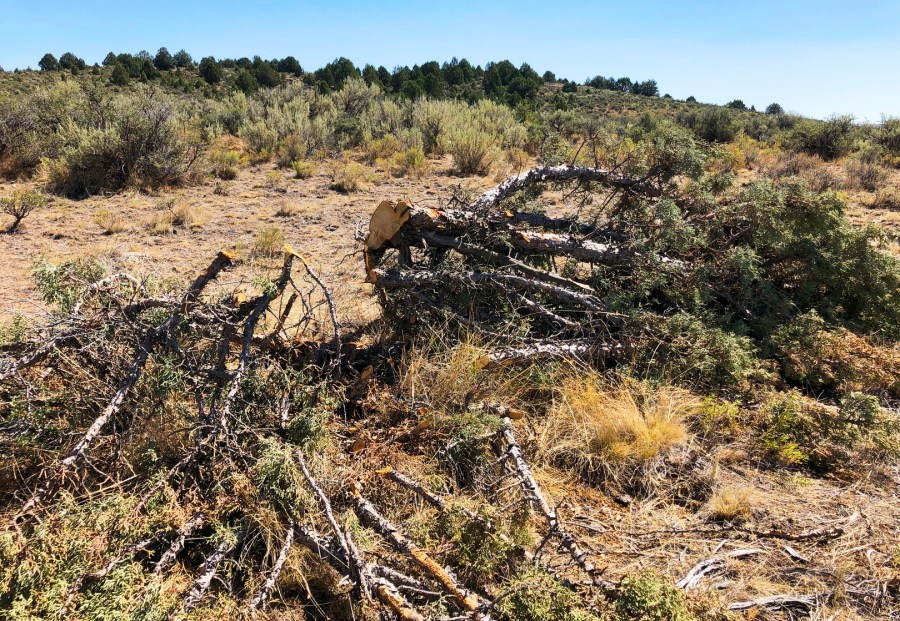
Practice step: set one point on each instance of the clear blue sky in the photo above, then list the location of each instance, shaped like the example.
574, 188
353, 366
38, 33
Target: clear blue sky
815, 58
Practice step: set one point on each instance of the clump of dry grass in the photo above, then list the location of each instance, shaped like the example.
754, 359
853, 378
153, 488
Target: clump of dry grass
110, 221
275, 181
887, 198
268, 242
347, 177
517, 158
601, 429
733, 503
285, 209
171, 213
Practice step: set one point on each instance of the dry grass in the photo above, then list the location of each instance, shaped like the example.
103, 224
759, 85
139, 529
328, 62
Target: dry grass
733, 503
275, 181
594, 425
286, 208
347, 177
172, 213
887, 198
268, 242
111, 222
411, 163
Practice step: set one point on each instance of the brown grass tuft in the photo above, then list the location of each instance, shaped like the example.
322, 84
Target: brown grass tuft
594, 426
733, 503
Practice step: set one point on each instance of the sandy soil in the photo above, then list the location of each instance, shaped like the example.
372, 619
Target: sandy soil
321, 226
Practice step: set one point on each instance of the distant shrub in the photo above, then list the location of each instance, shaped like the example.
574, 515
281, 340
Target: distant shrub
19, 206
433, 119
225, 162
347, 177
736, 104
48, 62
828, 139
411, 162
163, 60
711, 124
887, 198
865, 175
473, 151
261, 138
382, 148
119, 75
291, 149
141, 143
888, 136
774, 108
303, 169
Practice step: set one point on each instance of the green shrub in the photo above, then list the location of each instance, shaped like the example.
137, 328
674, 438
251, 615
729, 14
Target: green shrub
798, 431
303, 169
711, 124
535, 596
651, 598
865, 175
60, 285
828, 139
473, 151
347, 177
382, 148
291, 149
269, 242
141, 143
225, 162
411, 162
19, 206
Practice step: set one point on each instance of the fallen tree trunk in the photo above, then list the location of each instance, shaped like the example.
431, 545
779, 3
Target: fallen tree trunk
530, 283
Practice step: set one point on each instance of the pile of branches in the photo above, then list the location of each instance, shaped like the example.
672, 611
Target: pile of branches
525, 281
246, 368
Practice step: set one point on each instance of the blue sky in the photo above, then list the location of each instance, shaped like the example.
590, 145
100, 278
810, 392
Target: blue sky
815, 58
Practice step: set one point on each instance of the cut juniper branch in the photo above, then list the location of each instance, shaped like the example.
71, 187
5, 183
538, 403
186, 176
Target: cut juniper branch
711, 566
250, 323
552, 349
32, 358
168, 557
350, 553
208, 571
555, 174
336, 326
259, 600
78, 452
444, 507
537, 499
500, 260
367, 512
807, 602
381, 580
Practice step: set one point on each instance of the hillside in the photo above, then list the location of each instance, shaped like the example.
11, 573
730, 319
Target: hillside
444, 342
